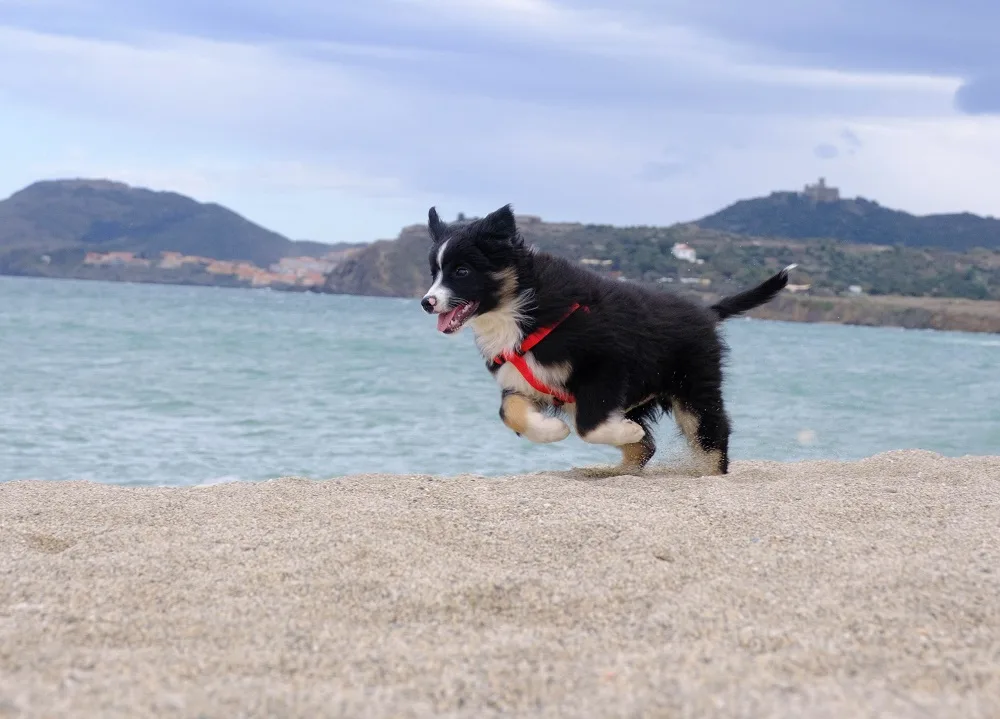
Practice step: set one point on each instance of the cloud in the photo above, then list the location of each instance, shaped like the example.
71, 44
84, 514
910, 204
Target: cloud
851, 138
826, 151
314, 116
901, 37
980, 95
659, 170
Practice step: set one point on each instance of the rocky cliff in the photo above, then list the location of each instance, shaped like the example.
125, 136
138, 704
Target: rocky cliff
387, 268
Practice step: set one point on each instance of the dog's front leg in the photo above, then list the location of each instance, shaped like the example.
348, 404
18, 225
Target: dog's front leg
523, 416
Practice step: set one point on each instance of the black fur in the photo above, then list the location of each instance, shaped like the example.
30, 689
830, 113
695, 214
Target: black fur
759, 295
634, 343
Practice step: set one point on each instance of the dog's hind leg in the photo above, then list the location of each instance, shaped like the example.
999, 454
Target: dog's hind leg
635, 456
705, 425
599, 417
523, 416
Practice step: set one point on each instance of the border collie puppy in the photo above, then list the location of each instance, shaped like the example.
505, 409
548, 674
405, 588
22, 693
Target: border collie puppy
564, 342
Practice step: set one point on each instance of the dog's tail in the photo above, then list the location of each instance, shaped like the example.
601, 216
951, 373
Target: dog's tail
759, 295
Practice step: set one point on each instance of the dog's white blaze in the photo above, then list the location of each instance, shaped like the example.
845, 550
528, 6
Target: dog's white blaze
440, 293
440, 257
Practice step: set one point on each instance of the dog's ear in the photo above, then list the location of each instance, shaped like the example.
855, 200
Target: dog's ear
501, 222
435, 225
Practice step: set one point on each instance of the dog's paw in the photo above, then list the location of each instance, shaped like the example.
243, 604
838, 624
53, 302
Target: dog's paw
616, 432
543, 430
631, 432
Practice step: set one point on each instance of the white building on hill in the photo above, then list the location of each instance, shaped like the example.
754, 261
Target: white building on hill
684, 252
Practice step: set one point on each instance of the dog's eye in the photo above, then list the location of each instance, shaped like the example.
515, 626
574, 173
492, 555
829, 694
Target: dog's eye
461, 272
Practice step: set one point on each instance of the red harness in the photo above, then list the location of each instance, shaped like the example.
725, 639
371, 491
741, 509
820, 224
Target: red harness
516, 358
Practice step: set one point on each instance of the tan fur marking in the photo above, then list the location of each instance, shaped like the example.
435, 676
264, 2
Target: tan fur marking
711, 462
708, 462
687, 421
640, 403
508, 285
522, 416
636, 455
516, 410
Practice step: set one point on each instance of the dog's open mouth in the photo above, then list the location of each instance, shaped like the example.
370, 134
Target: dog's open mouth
452, 320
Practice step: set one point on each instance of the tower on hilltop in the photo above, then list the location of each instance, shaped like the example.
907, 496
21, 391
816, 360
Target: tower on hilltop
820, 192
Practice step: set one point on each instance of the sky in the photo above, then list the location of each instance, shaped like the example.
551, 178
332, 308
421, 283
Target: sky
337, 120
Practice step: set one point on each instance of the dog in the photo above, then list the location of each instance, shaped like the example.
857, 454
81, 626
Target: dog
566, 343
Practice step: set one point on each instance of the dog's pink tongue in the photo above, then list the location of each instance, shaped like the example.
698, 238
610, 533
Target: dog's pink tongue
445, 318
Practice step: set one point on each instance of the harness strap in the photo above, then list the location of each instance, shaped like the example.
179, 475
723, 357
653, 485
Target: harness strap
516, 358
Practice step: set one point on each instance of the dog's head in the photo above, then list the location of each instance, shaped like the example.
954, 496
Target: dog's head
474, 267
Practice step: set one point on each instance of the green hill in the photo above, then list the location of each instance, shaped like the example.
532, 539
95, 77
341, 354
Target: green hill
726, 263
859, 221
69, 217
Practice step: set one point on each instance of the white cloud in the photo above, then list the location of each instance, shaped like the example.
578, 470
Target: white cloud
309, 138
929, 166
199, 177
169, 77
604, 32
302, 200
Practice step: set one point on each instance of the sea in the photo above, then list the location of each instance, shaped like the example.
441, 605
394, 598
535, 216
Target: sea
142, 384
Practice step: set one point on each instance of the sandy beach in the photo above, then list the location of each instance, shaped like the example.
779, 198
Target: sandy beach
813, 589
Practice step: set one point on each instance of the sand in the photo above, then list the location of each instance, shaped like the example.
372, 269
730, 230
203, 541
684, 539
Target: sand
814, 589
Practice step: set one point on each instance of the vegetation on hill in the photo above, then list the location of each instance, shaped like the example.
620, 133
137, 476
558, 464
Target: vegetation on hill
727, 262
66, 218
794, 215
835, 282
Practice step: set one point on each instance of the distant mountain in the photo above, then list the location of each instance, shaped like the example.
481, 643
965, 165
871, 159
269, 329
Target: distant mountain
59, 216
859, 221
692, 258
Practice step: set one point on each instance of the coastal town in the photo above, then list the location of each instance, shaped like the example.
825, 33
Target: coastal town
303, 271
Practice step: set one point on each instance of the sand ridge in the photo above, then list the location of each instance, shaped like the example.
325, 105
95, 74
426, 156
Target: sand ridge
810, 589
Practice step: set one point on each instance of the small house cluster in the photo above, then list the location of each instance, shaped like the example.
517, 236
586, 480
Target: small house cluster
296, 271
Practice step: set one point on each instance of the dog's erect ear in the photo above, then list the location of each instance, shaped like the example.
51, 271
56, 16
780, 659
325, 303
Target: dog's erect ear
435, 225
501, 222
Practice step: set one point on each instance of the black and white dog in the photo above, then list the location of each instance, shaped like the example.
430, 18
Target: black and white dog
561, 340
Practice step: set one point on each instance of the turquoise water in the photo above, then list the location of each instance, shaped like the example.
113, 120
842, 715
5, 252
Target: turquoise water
153, 384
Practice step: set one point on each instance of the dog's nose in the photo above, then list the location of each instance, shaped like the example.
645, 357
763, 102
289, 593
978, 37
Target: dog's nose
428, 303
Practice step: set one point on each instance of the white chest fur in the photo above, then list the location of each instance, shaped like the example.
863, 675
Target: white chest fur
496, 332
554, 376
499, 331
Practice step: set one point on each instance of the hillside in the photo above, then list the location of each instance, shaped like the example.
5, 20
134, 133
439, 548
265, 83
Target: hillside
836, 281
796, 216
67, 218
724, 262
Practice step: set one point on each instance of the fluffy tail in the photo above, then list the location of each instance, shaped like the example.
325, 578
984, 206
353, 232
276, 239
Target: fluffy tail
759, 295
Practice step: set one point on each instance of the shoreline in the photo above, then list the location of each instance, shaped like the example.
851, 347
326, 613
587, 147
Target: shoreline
815, 588
945, 314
